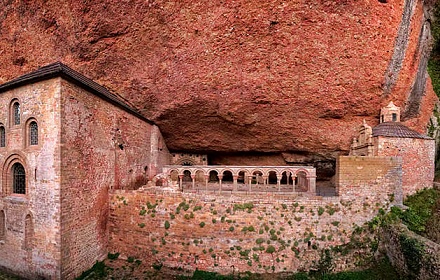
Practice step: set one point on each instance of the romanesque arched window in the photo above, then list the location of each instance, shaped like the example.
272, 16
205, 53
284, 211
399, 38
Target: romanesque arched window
33, 133
18, 178
28, 232
16, 112
2, 225
2, 136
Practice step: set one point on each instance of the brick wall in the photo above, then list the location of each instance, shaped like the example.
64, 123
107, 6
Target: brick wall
103, 147
364, 176
42, 166
418, 159
203, 231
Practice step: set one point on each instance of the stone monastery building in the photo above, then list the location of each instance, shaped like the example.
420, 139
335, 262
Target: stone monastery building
65, 141
392, 138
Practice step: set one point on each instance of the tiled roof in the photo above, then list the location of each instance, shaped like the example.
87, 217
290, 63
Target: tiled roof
59, 69
396, 129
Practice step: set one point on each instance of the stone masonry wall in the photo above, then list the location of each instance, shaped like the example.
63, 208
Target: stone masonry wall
39, 255
418, 159
236, 232
412, 254
258, 232
362, 176
104, 147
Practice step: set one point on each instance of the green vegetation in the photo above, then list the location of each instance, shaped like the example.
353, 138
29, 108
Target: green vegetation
114, 256
244, 206
270, 249
434, 62
151, 206
382, 270
421, 209
413, 251
364, 241
98, 271
157, 266
143, 211
197, 208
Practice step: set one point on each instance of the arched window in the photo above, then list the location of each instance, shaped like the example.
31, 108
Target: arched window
33, 133
28, 232
16, 111
18, 178
2, 136
2, 225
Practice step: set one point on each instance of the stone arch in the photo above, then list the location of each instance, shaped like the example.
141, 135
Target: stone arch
286, 177
8, 173
185, 161
2, 135
272, 177
302, 181
14, 112
227, 175
186, 175
174, 175
31, 133
200, 175
257, 176
302, 170
213, 175
242, 175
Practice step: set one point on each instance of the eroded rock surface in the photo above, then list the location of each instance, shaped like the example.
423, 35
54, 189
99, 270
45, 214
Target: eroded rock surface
295, 77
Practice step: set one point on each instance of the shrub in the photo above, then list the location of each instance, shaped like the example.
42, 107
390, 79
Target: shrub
114, 256
270, 249
259, 240
157, 266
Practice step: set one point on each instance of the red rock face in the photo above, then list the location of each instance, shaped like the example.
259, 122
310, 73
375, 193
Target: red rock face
237, 76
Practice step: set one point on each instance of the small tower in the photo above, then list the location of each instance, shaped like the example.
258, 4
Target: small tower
390, 113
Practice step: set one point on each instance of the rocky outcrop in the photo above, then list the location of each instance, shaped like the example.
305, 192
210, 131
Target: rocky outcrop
294, 77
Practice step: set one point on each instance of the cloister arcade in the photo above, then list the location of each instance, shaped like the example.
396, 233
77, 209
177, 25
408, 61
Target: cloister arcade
241, 178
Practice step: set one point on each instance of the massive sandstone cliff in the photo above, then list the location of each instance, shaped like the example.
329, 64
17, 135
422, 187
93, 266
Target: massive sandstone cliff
282, 81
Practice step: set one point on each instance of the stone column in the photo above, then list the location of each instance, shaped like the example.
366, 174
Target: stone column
181, 182
206, 182
293, 182
193, 178
220, 177
250, 182
235, 182
279, 182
